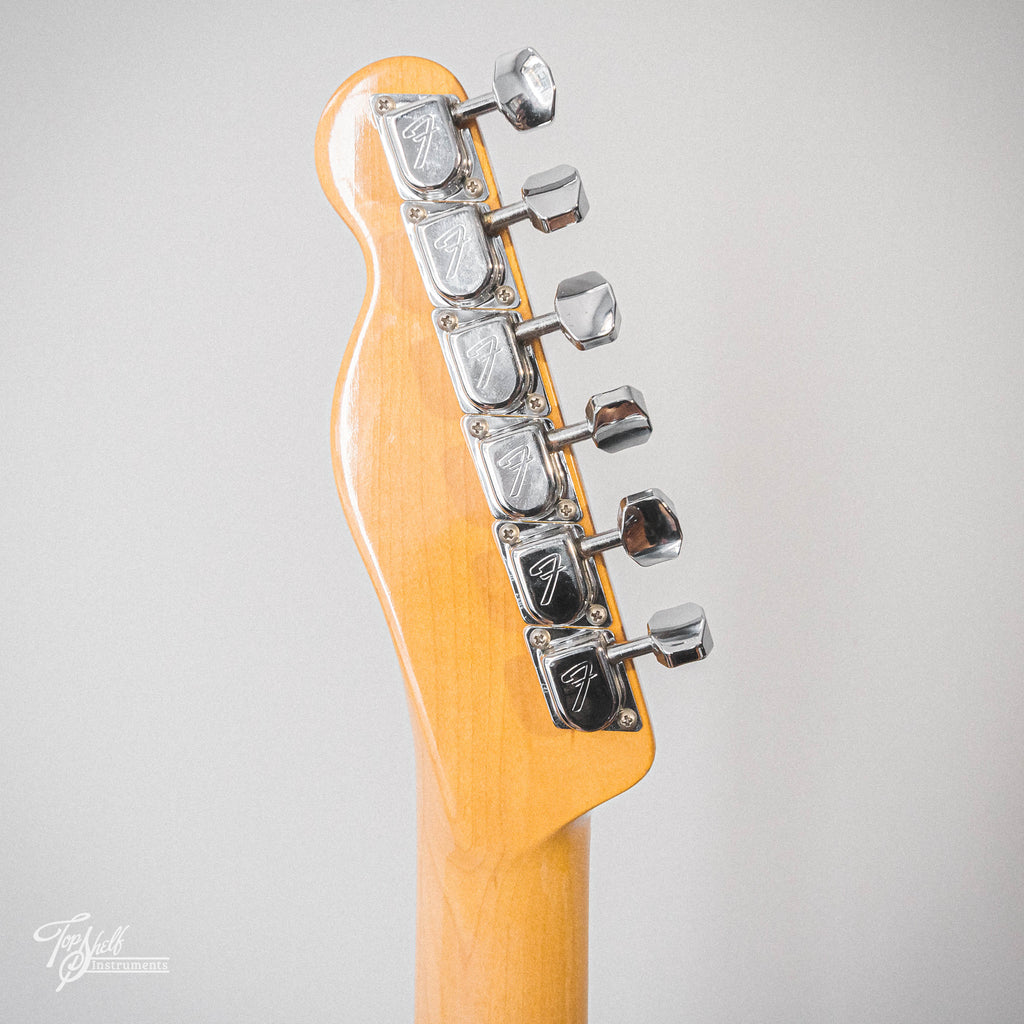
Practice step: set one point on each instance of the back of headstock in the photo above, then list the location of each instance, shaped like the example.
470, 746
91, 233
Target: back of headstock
453, 464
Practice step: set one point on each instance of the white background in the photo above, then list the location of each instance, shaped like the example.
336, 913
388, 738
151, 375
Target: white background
812, 215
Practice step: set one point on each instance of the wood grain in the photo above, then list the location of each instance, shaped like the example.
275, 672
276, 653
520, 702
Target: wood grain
503, 846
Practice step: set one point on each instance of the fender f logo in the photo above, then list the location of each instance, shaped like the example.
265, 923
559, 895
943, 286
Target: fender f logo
517, 459
420, 131
453, 243
483, 352
579, 678
546, 570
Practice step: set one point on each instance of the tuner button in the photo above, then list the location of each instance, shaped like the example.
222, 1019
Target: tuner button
587, 311
680, 635
524, 89
648, 530
649, 527
555, 198
618, 419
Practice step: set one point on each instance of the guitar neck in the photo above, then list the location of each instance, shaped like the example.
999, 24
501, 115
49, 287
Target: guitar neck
501, 935
454, 466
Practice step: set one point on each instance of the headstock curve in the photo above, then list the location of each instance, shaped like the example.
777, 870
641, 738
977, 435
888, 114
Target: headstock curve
410, 491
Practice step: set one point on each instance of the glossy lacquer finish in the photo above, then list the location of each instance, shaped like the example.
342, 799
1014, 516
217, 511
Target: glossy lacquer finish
503, 849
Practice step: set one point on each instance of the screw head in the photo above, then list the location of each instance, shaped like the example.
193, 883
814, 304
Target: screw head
447, 321
383, 104
539, 638
509, 533
567, 509
596, 615
535, 403
505, 295
474, 188
415, 213
627, 718
479, 428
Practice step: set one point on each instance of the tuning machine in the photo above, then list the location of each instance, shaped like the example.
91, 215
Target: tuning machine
429, 149
581, 671
490, 356
520, 462
550, 565
458, 245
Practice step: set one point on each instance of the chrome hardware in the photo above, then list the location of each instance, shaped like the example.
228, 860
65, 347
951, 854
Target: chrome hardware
430, 158
553, 582
648, 530
523, 91
538, 637
491, 371
675, 636
551, 200
508, 533
518, 457
615, 420
550, 564
457, 246
431, 153
460, 264
522, 477
627, 718
581, 671
583, 689
585, 312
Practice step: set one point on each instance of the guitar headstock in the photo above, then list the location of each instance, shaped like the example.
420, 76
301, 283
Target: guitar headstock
454, 462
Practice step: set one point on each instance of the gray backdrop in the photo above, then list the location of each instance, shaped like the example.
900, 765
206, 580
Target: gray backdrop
812, 214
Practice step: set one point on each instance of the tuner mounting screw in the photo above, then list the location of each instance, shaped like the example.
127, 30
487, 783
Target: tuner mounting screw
478, 428
535, 403
539, 638
416, 213
509, 533
474, 188
567, 509
596, 615
447, 321
627, 718
505, 295
384, 104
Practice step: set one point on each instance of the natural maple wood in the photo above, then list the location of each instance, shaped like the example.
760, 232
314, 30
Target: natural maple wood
503, 794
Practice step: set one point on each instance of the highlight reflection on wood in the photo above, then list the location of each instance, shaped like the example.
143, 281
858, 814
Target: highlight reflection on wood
503, 849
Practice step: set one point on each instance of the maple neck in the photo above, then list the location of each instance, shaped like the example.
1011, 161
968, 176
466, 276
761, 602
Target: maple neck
500, 939
524, 718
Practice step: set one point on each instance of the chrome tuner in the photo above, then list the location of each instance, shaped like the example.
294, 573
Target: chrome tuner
523, 91
488, 352
432, 155
648, 530
551, 200
675, 636
586, 312
519, 461
456, 244
615, 420
581, 671
550, 568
